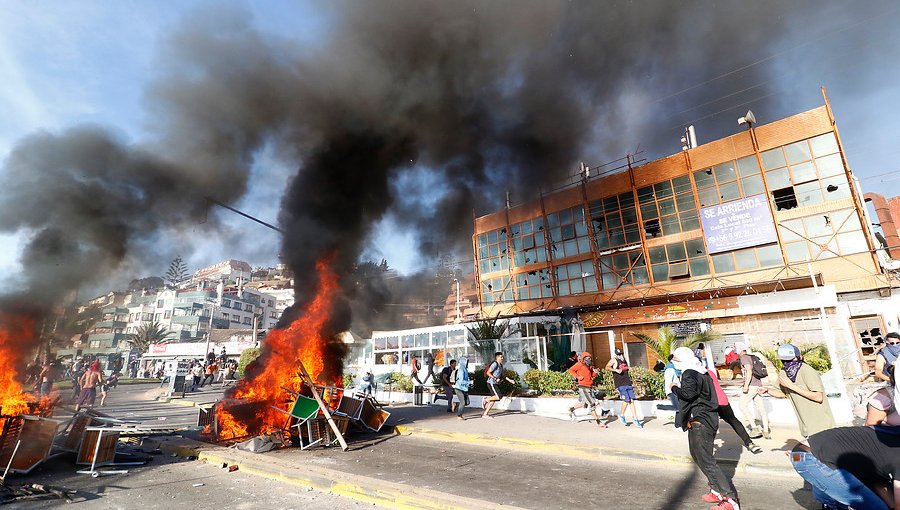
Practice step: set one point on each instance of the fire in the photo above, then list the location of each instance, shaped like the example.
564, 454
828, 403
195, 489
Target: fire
16, 331
303, 341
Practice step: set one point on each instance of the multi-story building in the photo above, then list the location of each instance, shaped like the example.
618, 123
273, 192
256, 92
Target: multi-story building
761, 236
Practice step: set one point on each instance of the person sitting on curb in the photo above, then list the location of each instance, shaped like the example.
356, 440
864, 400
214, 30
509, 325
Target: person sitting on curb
622, 379
803, 386
584, 373
494, 372
699, 417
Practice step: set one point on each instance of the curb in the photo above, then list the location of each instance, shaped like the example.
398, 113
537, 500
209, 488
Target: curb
583, 452
357, 487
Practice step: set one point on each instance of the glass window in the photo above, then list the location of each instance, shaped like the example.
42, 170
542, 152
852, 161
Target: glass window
723, 262
836, 187
748, 166
797, 152
830, 165
725, 172
852, 242
704, 178
729, 191
708, 196
797, 252
803, 172
745, 259
780, 178
808, 193
752, 185
823, 145
769, 255
773, 158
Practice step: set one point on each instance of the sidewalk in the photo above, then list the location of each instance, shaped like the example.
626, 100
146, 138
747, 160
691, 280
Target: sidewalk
657, 441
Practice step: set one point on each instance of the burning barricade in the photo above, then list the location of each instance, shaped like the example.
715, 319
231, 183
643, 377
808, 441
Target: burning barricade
293, 392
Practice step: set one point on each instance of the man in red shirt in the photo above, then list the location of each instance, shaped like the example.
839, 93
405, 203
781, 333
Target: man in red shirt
584, 373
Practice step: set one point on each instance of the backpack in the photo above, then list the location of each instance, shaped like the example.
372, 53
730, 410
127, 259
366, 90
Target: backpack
759, 368
487, 370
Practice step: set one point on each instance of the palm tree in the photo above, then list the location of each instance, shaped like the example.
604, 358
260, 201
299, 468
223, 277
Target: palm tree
663, 344
146, 334
703, 337
484, 332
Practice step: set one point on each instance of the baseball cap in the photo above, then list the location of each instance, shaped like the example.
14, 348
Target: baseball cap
788, 352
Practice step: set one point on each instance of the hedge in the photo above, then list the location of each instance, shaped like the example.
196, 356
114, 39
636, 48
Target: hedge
546, 382
647, 384
479, 383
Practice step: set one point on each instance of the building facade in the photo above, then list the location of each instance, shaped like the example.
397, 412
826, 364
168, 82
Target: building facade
761, 236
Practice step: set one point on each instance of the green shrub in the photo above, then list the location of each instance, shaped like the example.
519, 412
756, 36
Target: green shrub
647, 384
400, 382
549, 382
247, 357
347, 379
532, 379
817, 357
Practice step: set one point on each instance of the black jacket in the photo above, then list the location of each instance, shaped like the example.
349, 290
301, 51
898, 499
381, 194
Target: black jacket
697, 399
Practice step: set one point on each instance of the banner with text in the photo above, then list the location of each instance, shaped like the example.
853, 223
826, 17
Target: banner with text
738, 224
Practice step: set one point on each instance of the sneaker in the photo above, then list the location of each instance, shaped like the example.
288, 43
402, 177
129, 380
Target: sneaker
460, 418
571, 414
637, 424
712, 497
767, 434
487, 416
754, 448
727, 504
755, 434
623, 420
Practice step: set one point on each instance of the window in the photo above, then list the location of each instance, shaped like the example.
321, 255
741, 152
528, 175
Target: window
807, 172
167, 314
576, 278
94, 344
822, 236
623, 269
528, 243
668, 208
869, 335
235, 318
568, 233
271, 303
614, 221
157, 316
160, 303
237, 305
492, 251
746, 259
496, 290
246, 320
226, 303
729, 181
533, 284
678, 260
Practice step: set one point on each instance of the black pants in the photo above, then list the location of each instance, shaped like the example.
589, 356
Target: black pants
700, 442
727, 414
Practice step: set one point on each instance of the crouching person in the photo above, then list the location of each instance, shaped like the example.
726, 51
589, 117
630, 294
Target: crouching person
699, 417
584, 373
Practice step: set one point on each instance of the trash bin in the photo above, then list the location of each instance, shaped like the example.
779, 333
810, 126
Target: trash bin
418, 395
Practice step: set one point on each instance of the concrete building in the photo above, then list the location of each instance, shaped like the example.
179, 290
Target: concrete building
761, 236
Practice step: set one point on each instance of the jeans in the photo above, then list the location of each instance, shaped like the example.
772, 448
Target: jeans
700, 443
448, 392
463, 400
727, 414
673, 398
753, 394
835, 487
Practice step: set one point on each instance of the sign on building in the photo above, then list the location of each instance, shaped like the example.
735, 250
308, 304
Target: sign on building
738, 224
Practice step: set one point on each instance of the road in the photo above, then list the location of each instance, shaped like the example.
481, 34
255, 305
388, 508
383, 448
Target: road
504, 476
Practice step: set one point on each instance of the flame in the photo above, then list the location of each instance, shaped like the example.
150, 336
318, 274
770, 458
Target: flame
303, 341
16, 331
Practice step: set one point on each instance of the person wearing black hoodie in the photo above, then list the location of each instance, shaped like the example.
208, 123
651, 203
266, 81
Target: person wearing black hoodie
699, 417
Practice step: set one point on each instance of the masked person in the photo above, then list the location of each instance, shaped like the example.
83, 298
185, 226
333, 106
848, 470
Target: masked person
887, 356
699, 417
584, 373
622, 380
461, 383
803, 386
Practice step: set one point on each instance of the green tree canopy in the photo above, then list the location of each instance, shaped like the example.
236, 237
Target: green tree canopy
146, 334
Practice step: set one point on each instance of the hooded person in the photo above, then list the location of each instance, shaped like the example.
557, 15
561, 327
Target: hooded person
803, 386
699, 417
461, 384
584, 373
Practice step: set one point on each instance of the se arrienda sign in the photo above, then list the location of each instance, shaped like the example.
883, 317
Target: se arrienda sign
738, 224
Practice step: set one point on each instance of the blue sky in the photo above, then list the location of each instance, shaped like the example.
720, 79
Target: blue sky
66, 63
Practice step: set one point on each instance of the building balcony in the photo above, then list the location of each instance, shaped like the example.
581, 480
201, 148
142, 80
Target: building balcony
111, 324
114, 310
108, 339
188, 320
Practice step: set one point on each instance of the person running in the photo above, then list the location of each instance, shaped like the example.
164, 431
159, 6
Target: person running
584, 373
368, 382
732, 361
49, 373
752, 391
211, 370
726, 414
447, 384
494, 374
887, 356
671, 378
89, 382
803, 386
623, 383
699, 417
461, 383
196, 375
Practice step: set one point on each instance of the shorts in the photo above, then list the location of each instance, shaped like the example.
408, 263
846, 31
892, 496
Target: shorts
626, 393
586, 396
87, 397
495, 390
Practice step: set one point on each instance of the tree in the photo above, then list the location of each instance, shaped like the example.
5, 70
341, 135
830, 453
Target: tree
484, 332
663, 344
177, 271
146, 334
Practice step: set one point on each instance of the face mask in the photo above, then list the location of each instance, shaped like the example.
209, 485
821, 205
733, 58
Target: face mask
893, 349
588, 361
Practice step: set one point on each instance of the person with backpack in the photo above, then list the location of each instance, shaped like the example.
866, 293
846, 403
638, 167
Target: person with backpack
700, 418
461, 383
494, 373
754, 371
622, 379
584, 373
448, 384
